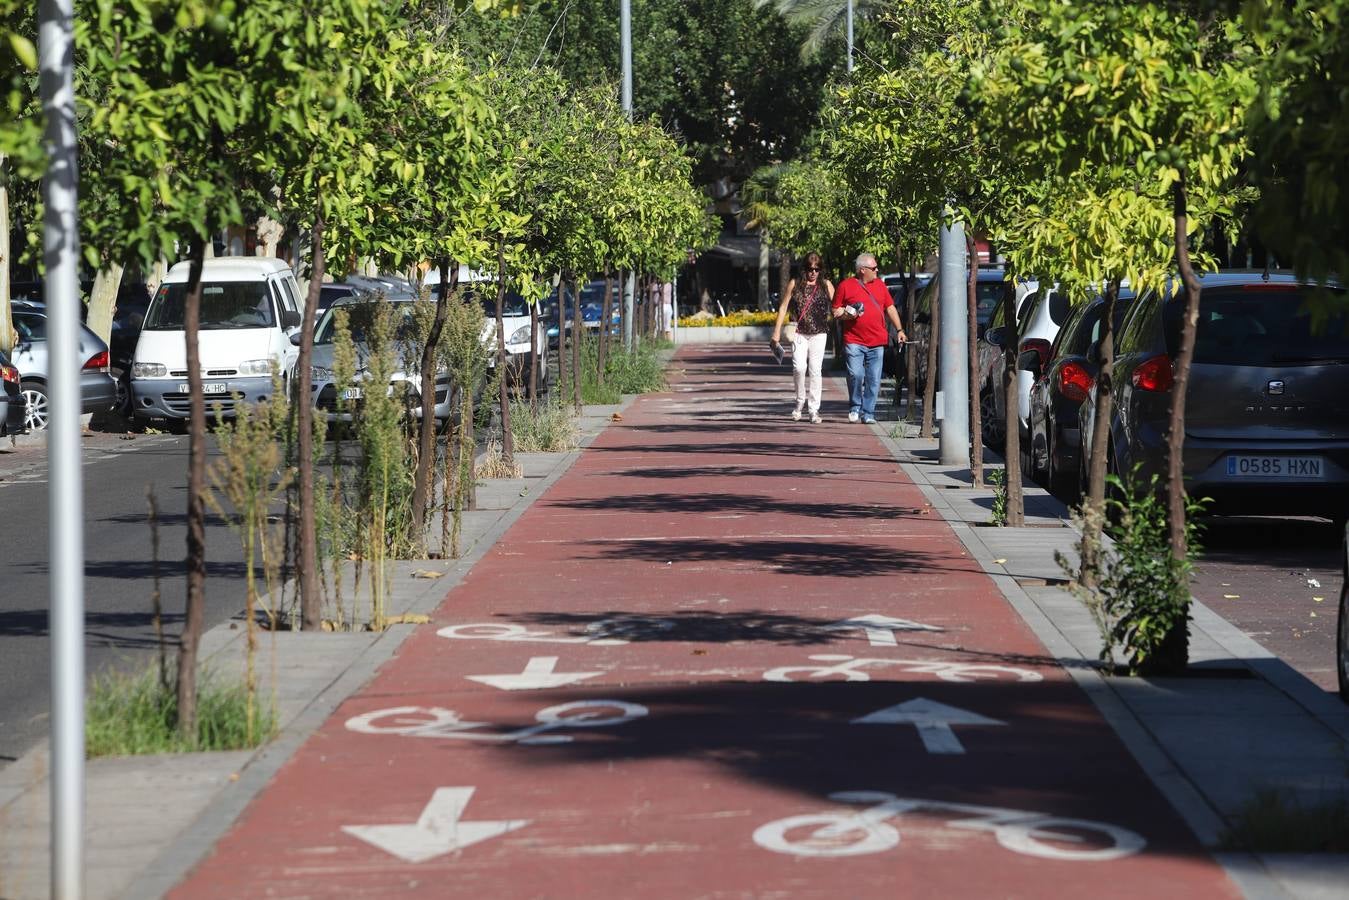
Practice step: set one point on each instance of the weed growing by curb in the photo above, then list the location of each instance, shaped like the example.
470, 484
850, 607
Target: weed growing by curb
136, 714
494, 465
998, 479
1273, 823
548, 427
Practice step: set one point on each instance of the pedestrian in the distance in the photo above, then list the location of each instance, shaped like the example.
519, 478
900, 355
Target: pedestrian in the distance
862, 304
808, 299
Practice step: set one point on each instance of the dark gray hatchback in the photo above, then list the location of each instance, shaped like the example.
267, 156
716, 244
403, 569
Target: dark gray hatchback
1267, 409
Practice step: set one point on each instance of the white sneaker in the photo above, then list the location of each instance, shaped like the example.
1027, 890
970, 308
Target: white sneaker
854, 417
815, 419
796, 414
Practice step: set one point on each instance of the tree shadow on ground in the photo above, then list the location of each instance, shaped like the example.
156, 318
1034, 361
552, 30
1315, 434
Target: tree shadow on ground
792, 557
713, 471
129, 631
1047, 752
747, 448
738, 503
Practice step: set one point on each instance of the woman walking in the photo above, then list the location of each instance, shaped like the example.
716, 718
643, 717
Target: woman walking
809, 299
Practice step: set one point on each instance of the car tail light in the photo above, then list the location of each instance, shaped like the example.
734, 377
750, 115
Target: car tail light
99, 362
10, 374
1154, 375
1074, 382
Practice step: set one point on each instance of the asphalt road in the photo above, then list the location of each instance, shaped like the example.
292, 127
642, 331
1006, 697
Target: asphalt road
120, 567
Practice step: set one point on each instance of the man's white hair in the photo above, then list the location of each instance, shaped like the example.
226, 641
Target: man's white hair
864, 259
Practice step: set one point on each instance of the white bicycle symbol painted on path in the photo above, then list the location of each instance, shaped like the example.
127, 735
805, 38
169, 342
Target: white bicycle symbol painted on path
851, 668
437, 722
499, 631
827, 834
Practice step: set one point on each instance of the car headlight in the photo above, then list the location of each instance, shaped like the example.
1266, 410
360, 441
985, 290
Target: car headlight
255, 367
519, 335
318, 373
149, 370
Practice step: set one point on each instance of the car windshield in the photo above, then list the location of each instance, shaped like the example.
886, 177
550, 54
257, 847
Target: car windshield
224, 304
989, 295
1261, 325
512, 305
361, 319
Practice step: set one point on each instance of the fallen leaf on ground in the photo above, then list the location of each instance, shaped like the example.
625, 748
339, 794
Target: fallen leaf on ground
1231, 596
699, 652
427, 573
999, 561
616, 417
1318, 599
408, 619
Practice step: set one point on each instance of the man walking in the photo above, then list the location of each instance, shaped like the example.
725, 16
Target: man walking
863, 303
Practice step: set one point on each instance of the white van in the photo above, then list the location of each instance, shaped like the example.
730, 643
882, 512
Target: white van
250, 308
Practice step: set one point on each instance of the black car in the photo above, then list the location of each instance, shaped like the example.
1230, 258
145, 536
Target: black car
1063, 378
1267, 410
988, 292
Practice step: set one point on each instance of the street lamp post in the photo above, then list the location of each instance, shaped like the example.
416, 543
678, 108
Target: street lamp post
850, 2
625, 34
954, 348
60, 253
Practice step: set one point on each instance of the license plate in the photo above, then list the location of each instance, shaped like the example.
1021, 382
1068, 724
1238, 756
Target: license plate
352, 393
209, 387
1292, 467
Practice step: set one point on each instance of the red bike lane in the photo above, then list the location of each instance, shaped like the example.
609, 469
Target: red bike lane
725, 655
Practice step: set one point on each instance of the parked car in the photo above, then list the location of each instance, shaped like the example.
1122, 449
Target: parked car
1342, 631
520, 355
1062, 377
98, 389
1037, 324
1267, 410
988, 293
133, 301
405, 381
250, 308
13, 408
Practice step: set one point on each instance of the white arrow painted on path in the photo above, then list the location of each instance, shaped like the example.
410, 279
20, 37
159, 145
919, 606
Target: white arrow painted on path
538, 673
438, 830
880, 630
933, 721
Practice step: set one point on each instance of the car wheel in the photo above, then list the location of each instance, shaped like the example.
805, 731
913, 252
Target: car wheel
1060, 483
39, 409
1342, 638
988, 415
125, 406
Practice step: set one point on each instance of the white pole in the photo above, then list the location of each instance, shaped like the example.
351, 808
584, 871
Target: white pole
60, 250
954, 348
625, 34
850, 36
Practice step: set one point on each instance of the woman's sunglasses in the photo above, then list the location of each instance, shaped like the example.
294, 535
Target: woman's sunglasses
812, 268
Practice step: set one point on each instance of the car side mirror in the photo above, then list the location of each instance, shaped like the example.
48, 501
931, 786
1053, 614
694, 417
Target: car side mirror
1094, 354
295, 339
996, 336
1059, 308
1030, 361
290, 319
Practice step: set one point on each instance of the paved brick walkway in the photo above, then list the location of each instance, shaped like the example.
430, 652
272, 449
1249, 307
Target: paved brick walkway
749, 662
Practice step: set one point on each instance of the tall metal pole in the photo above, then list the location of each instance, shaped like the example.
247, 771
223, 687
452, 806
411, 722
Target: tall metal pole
625, 33
60, 251
850, 2
954, 349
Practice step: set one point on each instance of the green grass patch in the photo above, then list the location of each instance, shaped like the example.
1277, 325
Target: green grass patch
1272, 823
136, 714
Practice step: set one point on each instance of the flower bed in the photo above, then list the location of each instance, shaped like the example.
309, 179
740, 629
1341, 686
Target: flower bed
738, 319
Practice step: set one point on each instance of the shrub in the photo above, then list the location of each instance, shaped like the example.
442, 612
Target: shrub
544, 427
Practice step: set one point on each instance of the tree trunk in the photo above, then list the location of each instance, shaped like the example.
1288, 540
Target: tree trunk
1016, 506
765, 259
784, 279
930, 382
910, 351
577, 333
1175, 649
534, 360
103, 300
606, 314
976, 389
8, 336
311, 613
503, 390
426, 437
195, 611
1094, 489
561, 335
